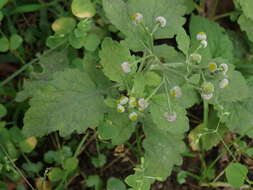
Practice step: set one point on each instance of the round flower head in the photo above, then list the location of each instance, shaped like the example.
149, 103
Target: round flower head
224, 68
133, 116
123, 100
212, 66
170, 116
204, 43
132, 102
161, 20
201, 36
224, 83
195, 57
137, 18
176, 92
142, 104
207, 96
120, 108
207, 88
126, 67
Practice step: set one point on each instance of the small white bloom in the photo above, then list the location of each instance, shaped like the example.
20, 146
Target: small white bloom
170, 116
224, 83
126, 67
137, 18
204, 43
201, 36
142, 104
133, 116
212, 66
123, 100
121, 108
176, 92
207, 96
196, 58
132, 102
161, 20
224, 68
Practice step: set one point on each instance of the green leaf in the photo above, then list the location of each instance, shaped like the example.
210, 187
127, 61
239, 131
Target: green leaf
99, 161
2, 3
246, 6
236, 174
3, 111
1, 15
70, 164
117, 127
183, 41
4, 44
112, 55
159, 106
70, 102
219, 44
63, 25
83, 8
55, 174
15, 41
94, 181
115, 184
51, 63
119, 13
92, 42
246, 25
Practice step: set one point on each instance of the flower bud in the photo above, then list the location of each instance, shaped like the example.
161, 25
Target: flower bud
120, 108
137, 18
142, 104
224, 68
132, 102
123, 100
133, 116
207, 88
212, 66
195, 58
161, 20
170, 116
126, 67
201, 36
204, 43
224, 83
176, 92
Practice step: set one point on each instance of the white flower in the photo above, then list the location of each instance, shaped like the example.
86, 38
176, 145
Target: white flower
126, 67
132, 102
137, 18
133, 116
201, 36
176, 92
120, 108
196, 58
224, 83
212, 66
204, 43
123, 100
171, 117
207, 96
224, 68
161, 20
142, 104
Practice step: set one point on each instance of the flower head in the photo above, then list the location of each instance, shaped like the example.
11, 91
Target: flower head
176, 92
203, 43
224, 83
224, 68
132, 102
133, 116
207, 90
161, 20
137, 18
126, 67
142, 104
123, 100
212, 66
170, 116
207, 96
120, 108
196, 58
201, 36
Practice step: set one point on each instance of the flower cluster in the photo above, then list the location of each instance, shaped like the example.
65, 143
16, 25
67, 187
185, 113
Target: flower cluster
202, 37
207, 89
176, 92
131, 105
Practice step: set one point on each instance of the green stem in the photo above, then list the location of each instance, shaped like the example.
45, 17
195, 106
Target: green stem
77, 152
206, 112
